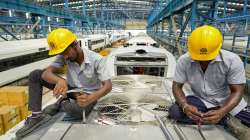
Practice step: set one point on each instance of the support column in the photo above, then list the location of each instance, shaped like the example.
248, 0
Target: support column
157, 28
169, 25
44, 31
225, 8
83, 8
245, 6
94, 8
194, 16
245, 12
181, 21
246, 51
162, 26
66, 4
102, 11
33, 29
216, 5
225, 14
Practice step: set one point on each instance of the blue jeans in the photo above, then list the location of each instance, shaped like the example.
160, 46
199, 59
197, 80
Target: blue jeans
175, 112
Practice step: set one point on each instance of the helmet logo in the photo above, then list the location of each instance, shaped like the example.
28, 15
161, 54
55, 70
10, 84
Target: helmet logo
203, 51
51, 44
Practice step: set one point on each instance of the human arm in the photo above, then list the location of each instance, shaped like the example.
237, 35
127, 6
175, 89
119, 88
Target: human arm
214, 116
84, 100
61, 85
50, 76
180, 78
190, 110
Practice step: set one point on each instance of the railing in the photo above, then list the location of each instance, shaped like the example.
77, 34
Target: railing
235, 17
171, 40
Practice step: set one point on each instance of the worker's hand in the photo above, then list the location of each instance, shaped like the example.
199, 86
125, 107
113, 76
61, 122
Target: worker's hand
192, 112
61, 88
83, 100
213, 116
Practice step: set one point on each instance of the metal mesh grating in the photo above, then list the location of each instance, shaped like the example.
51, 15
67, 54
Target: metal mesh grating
122, 109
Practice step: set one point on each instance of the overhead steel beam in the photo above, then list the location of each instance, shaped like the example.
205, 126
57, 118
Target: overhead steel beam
234, 18
27, 7
172, 7
122, 9
8, 32
183, 27
23, 6
23, 27
3, 38
34, 25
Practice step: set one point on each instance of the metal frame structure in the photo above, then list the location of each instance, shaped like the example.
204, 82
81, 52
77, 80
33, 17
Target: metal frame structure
38, 17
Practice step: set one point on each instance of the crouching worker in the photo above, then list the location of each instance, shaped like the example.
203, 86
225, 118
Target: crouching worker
217, 79
86, 69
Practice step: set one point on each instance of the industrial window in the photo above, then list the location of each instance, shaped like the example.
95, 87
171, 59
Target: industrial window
141, 44
9, 63
97, 41
141, 59
127, 70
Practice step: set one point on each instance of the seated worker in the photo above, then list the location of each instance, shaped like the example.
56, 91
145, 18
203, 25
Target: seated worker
86, 69
217, 79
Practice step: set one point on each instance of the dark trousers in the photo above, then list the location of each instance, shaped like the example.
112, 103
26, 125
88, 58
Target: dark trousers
175, 112
36, 84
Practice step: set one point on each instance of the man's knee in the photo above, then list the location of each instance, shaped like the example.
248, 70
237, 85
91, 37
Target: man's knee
195, 101
71, 108
35, 75
192, 100
175, 112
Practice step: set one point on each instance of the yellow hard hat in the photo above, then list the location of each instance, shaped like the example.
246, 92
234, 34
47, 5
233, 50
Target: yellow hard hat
59, 39
205, 43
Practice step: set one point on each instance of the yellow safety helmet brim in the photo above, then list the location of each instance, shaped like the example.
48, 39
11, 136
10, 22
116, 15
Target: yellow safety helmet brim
56, 52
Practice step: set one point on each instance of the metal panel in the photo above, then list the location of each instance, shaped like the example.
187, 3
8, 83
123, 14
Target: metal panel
57, 131
119, 132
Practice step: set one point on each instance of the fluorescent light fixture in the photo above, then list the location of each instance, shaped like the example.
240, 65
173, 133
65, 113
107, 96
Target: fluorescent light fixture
27, 15
10, 13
